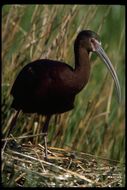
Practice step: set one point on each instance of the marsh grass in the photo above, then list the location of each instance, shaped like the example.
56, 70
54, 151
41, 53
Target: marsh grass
96, 125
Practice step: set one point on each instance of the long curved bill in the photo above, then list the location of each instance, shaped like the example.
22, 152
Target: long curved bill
100, 51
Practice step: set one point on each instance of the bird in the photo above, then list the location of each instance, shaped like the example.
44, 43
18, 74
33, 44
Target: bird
49, 87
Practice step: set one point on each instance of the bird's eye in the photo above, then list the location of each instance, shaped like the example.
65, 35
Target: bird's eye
94, 44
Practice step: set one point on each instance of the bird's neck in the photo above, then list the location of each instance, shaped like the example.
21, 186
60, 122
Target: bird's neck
82, 68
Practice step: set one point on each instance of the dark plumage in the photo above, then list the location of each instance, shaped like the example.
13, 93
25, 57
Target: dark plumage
44, 86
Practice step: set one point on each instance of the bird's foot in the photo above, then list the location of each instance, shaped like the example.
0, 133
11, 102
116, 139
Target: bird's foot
46, 159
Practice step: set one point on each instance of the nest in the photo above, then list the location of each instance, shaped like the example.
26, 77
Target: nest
24, 166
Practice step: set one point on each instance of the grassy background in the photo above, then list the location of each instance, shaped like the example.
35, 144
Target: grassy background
97, 123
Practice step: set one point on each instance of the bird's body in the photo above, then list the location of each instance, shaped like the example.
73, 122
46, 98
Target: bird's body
48, 87
42, 87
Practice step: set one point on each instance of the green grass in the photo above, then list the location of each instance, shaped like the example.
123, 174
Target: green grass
32, 32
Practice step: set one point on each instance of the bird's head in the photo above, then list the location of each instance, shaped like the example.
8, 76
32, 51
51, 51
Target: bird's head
91, 42
86, 39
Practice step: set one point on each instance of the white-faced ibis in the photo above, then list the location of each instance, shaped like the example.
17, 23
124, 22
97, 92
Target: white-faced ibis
49, 87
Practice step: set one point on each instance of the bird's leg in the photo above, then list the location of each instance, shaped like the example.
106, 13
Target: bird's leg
11, 125
45, 132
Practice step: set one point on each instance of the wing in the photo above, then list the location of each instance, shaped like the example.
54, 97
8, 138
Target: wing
41, 78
